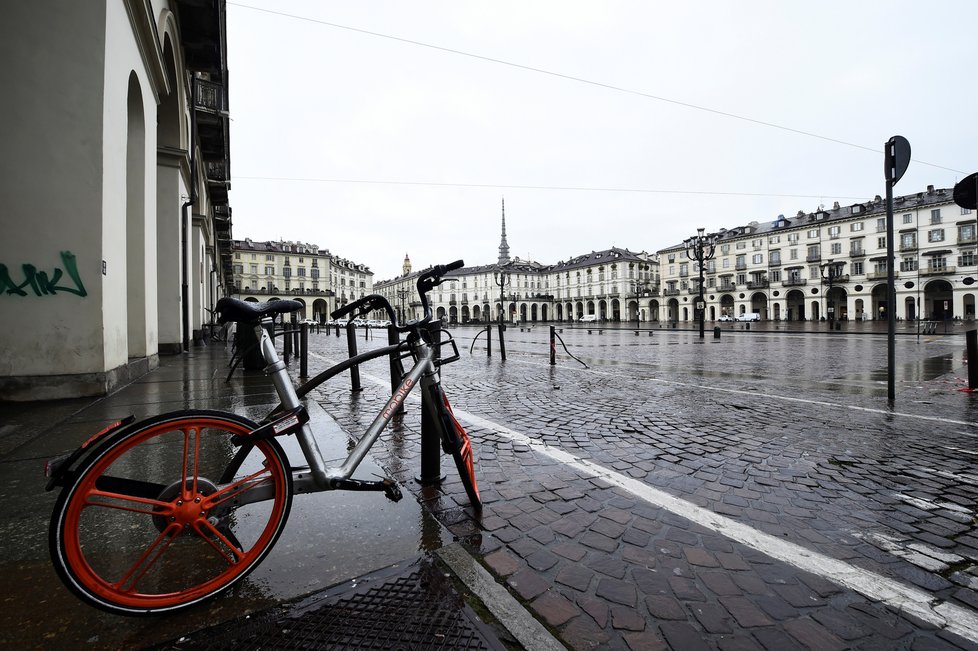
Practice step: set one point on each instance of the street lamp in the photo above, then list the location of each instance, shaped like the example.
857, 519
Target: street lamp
502, 278
402, 294
832, 273
700, 248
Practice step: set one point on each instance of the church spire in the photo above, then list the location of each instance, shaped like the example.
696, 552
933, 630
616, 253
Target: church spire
406, 267
503, 246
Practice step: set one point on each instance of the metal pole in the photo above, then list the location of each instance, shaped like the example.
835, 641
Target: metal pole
286, 345
397, 368
972, 339
890, 300
351, 345
489, 340
304, 342
553, 345
430, 443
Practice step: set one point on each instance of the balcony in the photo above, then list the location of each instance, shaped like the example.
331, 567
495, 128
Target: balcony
881, 275
740, 266
967, 240
671, 292
758, 284
937, 271
908, 247
774, 263
857, 253
794, 282
727, 287
813, 257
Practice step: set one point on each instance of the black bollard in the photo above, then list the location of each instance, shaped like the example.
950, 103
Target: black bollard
716, 332
286, 345
304, 344
971, 337
430, 441
351, 344
488, 341
553, 346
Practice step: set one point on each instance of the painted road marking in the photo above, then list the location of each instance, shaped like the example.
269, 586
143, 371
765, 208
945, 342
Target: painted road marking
901, 597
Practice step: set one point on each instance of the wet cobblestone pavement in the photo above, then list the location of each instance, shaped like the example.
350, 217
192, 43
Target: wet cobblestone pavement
751, 492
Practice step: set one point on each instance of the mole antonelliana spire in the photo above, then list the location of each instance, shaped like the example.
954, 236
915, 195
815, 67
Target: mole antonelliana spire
503, 246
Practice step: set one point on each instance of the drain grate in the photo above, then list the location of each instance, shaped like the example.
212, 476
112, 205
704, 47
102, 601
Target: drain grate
417, 610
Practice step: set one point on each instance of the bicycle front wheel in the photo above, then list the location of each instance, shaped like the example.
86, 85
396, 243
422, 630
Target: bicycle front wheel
169, 512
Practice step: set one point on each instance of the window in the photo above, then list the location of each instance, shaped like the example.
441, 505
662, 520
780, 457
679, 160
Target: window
814, 273
287, 271
775, 275
836, 248
935, 216
814, 252
856, 247
726, 263
774, 257
813, 234
855, 227
881, 225
936, 235
270, 270
880, 266
302, 272
881, 242
908, 218
757, 244
742, 261
774, 239
315, 274
269, 257
237, 255
908, 263
672, 258
856, 268
937, 263
254, 268
966, 259
792, 254
683, 270
966, 233
966, 211
908, 241
741, 279
834, 231
239, 268
741, 245
758, 258
672, 272
793, 237
724, 249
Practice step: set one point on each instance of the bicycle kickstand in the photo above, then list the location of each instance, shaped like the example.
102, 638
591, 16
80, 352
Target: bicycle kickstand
389, 488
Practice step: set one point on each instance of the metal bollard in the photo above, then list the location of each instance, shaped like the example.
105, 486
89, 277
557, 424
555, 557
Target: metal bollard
304, 345
351, 344
397, 368
430, 442
502, 344
286, 345
553, 346
971, 337
716, 332
488, 341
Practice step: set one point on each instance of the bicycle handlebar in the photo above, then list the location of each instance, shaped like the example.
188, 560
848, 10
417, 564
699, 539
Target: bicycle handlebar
366, 305
426, 282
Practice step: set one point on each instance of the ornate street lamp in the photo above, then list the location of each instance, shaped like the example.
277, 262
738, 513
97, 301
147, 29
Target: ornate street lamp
832, 274
502, 278
700, 248
402, 294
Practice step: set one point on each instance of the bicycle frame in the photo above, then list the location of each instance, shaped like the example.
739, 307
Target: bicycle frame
318, 477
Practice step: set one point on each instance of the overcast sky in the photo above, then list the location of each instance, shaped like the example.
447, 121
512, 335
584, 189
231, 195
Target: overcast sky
376, 129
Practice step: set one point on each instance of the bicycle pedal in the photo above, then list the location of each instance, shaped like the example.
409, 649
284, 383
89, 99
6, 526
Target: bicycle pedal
392, 491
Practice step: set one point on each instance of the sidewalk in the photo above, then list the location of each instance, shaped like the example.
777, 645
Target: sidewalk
366, 550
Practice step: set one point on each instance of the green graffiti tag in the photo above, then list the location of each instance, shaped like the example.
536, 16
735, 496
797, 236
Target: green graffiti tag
41, 282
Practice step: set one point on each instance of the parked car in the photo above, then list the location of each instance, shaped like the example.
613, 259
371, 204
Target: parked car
749, 316
725, 318
588, 318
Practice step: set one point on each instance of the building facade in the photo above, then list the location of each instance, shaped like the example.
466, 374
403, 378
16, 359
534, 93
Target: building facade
321, 281
832, 264
613, 284
116, 221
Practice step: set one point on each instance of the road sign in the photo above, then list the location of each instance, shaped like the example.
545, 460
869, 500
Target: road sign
897, 159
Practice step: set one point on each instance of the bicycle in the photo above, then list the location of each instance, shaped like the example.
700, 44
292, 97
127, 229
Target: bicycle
159, 515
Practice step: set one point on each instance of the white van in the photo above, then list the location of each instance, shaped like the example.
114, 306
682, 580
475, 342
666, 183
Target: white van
749, 316
588, 318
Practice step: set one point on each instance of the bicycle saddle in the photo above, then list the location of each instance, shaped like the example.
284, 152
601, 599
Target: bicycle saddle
232, 309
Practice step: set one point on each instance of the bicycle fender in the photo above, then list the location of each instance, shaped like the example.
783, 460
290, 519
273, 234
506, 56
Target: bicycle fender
57, 470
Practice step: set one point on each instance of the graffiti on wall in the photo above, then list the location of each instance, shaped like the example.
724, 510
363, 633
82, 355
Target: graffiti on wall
42, 283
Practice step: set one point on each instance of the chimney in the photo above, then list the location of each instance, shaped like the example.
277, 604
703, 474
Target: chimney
930, 189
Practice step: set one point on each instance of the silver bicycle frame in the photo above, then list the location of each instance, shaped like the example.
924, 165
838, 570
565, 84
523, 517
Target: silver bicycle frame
320, 477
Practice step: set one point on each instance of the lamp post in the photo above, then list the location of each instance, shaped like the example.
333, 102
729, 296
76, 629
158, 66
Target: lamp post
501, 278
831, 273
402, 294
700, 248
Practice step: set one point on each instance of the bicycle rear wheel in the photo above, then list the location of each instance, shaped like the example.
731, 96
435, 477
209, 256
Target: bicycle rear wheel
170, 512
458, 444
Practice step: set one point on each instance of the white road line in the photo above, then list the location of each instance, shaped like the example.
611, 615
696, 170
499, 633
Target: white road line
913, 601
